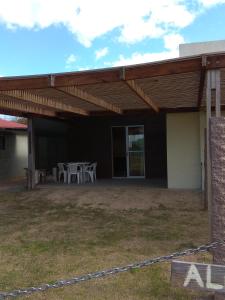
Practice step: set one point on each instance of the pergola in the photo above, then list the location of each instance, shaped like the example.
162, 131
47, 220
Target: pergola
171, 85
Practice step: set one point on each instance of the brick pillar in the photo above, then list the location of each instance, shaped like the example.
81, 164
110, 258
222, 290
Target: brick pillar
217, 147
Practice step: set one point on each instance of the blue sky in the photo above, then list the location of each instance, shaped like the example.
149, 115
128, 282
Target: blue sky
46, 36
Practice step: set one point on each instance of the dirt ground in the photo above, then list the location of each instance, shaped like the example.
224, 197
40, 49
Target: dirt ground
59, 231
125, 195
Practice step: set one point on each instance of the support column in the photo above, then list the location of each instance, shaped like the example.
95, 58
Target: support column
216, 167
213, 85
218, 93
31, 155
217, 141
207, 162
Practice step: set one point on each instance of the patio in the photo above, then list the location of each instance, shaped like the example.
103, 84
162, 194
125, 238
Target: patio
95, 140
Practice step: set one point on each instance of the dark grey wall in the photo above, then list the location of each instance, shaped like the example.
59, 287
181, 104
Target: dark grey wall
51, 143
89, 139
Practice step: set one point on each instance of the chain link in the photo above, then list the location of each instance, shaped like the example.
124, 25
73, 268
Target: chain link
112, 271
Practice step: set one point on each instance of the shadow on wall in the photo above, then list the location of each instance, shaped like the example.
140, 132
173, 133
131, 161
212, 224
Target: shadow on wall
13, 156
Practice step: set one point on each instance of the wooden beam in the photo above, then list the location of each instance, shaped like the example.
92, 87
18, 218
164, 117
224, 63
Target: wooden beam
87, 77
45, 101
31, 155
16, 106
201, 81
218, 94
143, 111
175, 66
208, 156
170, 67
33, 82
14, 113
141, 94
148, 70
201, 87
81, 94
215, 61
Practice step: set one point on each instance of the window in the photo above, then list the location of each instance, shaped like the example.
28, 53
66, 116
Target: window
2, 142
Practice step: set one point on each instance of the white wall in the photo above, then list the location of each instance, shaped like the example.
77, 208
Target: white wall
183, 150
14, 158
201, 48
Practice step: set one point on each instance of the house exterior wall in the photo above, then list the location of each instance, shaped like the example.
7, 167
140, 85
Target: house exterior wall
201, 48
51, 143
89, 139
184, 150
13, 159
173, 144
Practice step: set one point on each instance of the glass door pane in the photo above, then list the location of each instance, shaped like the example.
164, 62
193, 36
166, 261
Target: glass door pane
136, 161
119, 152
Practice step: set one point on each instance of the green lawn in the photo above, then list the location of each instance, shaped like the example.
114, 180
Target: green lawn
59, 232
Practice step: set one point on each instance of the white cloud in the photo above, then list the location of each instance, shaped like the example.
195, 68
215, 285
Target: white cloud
88, 19
137, 58
84, 68
171, 44
101, 52
172, 41
208, 3
70, 60
138, 30
160, 18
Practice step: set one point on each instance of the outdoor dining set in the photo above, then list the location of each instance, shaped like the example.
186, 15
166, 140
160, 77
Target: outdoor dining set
79, 172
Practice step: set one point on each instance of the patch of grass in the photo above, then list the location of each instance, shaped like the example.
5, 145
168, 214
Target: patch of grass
38, 247
186, 245
159, 234
43, 240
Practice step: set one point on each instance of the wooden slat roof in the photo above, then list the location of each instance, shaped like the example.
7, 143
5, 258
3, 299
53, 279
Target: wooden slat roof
174, 84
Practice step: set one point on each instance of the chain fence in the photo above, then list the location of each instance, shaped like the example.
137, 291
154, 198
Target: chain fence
112, 271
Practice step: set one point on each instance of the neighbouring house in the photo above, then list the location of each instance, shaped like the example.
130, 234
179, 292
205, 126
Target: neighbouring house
13, 149
138, 121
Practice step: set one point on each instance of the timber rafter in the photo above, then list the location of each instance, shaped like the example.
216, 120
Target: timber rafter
202, 81
45, 101
141, 94
12, 105
83, 95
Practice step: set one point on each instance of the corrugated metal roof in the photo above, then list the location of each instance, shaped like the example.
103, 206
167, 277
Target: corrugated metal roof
11, 125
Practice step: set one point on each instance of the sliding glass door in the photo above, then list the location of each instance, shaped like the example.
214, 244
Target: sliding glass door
135, 150
128, 151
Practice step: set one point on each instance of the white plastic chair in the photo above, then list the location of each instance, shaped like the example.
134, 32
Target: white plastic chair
73, 169
90, 171
61, 172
